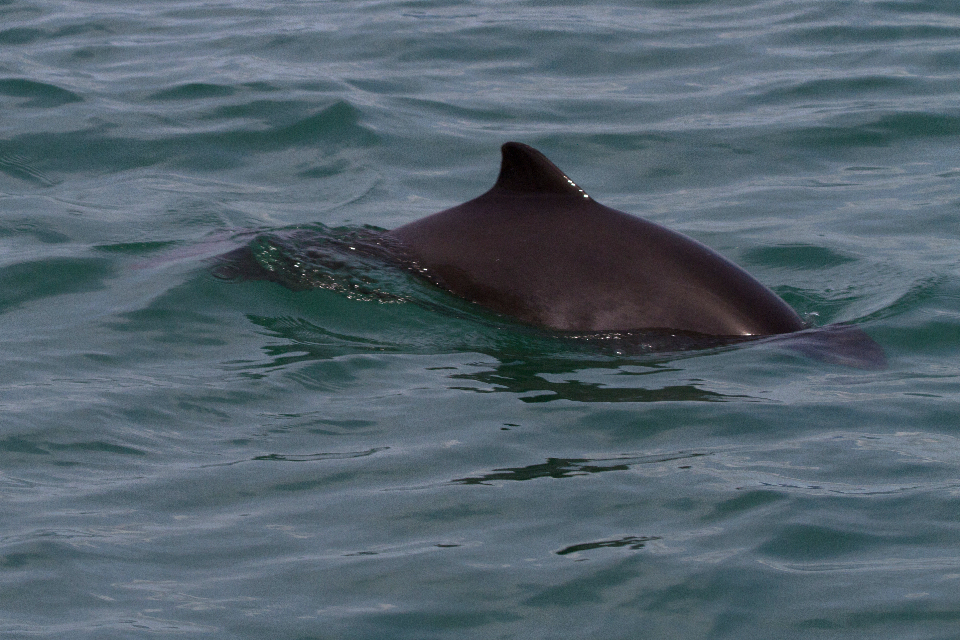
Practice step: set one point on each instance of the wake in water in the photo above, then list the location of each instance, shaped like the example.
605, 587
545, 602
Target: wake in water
358, 262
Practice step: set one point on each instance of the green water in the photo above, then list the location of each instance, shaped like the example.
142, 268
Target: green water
187, 456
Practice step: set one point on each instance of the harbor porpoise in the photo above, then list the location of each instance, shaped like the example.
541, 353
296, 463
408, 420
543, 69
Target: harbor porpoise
538, 248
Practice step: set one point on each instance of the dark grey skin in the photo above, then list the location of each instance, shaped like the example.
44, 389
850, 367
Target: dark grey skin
538, 248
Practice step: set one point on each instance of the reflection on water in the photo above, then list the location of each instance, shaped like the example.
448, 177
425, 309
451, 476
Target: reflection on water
526, 377
633, 543
524, 363
571, 467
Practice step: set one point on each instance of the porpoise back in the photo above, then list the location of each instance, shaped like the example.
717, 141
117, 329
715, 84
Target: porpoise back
538, 248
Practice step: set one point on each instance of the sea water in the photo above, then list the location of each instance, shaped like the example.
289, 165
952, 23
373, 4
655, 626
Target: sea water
187, 456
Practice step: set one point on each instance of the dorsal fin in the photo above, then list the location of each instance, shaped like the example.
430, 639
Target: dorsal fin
526, 170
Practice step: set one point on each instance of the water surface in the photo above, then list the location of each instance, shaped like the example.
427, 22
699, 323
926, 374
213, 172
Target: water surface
181, 454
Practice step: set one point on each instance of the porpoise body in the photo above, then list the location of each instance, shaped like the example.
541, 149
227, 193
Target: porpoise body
538, 248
